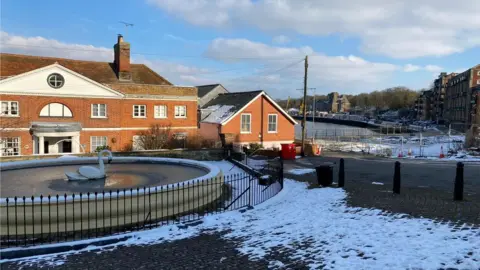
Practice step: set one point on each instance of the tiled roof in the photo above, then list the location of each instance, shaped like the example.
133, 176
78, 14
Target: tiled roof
204, 89
102, 72
151, 89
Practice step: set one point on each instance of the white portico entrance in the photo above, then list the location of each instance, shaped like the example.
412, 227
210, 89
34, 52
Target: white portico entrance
56, 138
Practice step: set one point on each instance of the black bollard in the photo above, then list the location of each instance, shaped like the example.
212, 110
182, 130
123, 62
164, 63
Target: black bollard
396, 178
341, 173
458, 190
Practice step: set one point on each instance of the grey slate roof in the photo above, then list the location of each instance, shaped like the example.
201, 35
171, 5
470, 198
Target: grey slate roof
204, 89
236, 99
225, 105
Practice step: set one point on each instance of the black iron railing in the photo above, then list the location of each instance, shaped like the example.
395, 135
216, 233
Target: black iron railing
27, 221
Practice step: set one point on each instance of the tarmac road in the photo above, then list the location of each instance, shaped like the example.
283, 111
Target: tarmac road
438, 175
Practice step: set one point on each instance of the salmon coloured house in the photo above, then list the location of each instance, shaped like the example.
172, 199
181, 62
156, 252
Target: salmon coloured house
244, 118
53, 105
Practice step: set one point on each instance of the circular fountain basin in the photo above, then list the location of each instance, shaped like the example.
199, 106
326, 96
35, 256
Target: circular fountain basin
47, 177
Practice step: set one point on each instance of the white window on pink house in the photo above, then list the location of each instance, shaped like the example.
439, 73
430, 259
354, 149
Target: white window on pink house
272, 123
246, 123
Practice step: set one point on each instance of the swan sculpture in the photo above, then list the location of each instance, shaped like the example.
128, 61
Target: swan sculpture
90, 172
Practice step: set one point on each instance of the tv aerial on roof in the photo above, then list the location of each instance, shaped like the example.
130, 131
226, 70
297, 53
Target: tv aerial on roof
126, 26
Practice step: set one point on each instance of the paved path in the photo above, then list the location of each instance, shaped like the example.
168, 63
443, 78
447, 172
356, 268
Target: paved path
427, 186
206, 251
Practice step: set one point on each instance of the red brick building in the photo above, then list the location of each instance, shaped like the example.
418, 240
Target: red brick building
52, 105
246, 117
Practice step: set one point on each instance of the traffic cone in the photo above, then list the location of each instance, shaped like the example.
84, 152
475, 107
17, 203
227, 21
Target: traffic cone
400, 154
409, 151
441, 152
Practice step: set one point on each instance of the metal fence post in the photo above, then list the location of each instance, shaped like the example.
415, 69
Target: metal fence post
458, 189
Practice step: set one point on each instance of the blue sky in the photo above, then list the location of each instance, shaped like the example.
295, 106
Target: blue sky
248, 45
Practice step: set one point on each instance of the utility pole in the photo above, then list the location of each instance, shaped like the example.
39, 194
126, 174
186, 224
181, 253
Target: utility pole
304, 106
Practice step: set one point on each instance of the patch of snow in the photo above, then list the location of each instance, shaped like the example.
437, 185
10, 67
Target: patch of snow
68, 157
338, 236
301, 171
218, 113
377, 183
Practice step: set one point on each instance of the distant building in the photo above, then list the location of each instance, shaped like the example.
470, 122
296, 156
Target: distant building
336, 103
209, 92
423, 106
461, 100
438, 96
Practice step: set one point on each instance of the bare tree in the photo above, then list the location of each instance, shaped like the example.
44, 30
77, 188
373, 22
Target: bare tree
157, 137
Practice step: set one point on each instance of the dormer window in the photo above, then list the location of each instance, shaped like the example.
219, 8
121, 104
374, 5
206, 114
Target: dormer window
55, 80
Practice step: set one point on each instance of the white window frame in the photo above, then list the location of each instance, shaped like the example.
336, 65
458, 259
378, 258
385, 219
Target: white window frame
139, 116
9, 108
98, 110
249, 124
276, 123
3, 147
65, 110
156, 109
177, 111
92, 149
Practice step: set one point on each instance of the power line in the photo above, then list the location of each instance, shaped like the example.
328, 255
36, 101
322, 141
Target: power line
271, 72
141, 53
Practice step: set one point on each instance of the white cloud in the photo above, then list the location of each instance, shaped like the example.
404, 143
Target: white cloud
281, 39
51, 47
399, 29
411, 68
430, 68
236, 49
286, 74
433, 68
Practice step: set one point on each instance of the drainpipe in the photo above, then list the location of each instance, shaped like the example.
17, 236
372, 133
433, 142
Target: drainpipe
261, 122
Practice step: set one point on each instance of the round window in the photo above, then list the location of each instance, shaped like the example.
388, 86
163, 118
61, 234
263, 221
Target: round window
55, 80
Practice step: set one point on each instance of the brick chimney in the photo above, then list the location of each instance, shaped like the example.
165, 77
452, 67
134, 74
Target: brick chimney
122, 59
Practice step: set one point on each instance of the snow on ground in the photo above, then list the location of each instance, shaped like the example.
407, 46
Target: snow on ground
377, 183
301, 171
391, 146
338, 236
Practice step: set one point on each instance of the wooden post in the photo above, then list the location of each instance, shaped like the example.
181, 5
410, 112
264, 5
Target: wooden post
304, 121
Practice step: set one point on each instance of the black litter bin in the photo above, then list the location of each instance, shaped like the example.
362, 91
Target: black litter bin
325, 175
